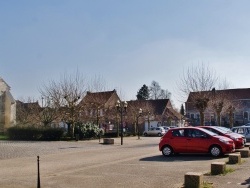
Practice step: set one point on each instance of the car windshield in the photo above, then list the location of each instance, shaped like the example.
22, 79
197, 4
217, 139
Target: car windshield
209, 132
227, 130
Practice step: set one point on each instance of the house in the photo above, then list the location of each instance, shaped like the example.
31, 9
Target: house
156, 113
239, 101
100, 108
7, 107
26, 112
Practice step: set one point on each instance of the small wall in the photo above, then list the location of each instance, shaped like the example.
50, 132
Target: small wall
108, 141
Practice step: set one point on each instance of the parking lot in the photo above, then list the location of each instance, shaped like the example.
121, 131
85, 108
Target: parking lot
137, 163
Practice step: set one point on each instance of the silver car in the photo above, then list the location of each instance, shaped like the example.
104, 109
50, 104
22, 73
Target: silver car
155, 131
243, 130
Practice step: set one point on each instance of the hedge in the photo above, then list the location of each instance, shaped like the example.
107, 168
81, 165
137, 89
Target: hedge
34, 133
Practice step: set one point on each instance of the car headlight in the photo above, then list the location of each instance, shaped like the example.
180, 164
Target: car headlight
224, 141
233, 138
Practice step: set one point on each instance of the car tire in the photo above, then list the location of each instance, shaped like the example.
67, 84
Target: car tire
159, 134
167, 151
215, 151
145, 134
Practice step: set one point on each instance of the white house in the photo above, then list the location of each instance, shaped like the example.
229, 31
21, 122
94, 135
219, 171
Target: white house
7, 107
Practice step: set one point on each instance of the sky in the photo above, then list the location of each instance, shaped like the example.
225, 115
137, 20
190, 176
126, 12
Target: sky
127, 43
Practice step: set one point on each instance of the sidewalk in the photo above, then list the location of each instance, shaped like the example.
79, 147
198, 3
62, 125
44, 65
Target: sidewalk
239, 178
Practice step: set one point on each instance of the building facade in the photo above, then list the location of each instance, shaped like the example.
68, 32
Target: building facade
239, 100
7, 107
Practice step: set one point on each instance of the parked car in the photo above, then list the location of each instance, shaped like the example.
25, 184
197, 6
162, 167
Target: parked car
238, 139
166, 128
243, 130
154, 131
195, 140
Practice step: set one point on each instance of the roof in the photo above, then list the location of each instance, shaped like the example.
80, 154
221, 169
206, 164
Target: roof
3, 85
157, 106
28, 105
235, 94
97, 97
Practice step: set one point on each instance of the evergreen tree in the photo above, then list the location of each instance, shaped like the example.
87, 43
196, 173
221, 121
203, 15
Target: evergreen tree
182, 111
143, 93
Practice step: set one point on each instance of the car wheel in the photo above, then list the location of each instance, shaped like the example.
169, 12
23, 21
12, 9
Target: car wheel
167, 151
159, 134
215, 151
145, 134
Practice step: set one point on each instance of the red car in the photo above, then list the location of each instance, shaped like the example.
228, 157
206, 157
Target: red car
194, 140
239, 141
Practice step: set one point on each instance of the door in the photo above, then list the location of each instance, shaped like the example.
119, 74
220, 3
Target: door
178, 141
197, 141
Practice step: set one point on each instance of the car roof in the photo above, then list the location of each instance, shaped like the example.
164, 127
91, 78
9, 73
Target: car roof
246, 126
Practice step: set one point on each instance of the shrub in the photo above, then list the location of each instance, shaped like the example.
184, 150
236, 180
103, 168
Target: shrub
34, 133
87, 130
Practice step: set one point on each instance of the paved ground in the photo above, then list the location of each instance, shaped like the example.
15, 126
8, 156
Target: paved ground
137, 163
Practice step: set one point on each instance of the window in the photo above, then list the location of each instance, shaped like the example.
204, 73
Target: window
178, 133
245, 115
101, 112
198, 116
192, 116
196, 133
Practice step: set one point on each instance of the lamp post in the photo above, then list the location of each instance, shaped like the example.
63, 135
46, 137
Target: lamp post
121, 108
97, 122
137, 118
148, 120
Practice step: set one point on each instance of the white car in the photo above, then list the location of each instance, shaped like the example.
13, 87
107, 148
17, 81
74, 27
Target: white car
155, 131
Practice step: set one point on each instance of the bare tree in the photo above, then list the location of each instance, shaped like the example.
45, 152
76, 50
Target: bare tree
133, 113
198, 80
97, 84
64, 96
156, 92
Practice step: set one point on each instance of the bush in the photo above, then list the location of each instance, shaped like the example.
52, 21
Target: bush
34, 133
87, 130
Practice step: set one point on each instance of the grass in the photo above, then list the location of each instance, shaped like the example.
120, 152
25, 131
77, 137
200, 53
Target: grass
3, 137
227, 170
204, 185
207, 185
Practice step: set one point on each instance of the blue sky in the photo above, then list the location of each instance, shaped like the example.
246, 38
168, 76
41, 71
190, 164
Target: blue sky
128, 43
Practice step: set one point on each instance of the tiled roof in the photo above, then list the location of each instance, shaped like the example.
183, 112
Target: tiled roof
28, 105
158, 106
97, 97
235, 94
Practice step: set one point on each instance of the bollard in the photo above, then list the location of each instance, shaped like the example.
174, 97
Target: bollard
193, 180
38, 173
218, 168
234, 158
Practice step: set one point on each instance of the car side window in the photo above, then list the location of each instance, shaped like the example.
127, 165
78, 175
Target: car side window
197, 134
178, 133
241, 131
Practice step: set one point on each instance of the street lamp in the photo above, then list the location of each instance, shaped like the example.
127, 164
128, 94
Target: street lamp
137, 117
121, 108
97, 121
148, 120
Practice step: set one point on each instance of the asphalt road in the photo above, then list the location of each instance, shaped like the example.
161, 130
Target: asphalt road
137, 163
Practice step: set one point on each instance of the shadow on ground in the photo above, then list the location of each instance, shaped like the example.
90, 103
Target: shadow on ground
246, 182
180, 157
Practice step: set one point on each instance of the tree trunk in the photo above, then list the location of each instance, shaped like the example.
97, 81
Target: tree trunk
218, 119
202, 118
